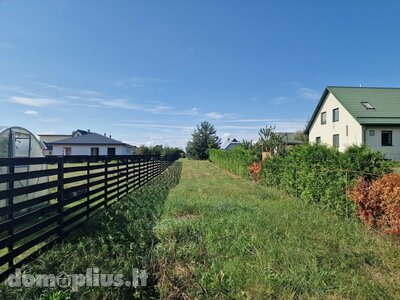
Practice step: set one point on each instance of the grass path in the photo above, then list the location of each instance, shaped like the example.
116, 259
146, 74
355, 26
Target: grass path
223, 237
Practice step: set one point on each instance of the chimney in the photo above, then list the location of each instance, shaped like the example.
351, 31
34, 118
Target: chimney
105, 134
88, 130
110, 136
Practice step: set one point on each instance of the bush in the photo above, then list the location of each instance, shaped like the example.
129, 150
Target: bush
317, 173
236, 160
378, 202
364, 162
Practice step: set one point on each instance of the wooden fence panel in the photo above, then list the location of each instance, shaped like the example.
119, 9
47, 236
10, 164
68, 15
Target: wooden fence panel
77, 187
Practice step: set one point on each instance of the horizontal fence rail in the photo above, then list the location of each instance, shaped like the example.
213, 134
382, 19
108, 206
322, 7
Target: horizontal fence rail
44, 199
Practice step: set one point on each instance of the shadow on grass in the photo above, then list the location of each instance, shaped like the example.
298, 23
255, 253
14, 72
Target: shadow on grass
115, 241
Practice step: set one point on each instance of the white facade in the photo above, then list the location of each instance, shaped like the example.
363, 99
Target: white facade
373, 138
349, 131
87, 149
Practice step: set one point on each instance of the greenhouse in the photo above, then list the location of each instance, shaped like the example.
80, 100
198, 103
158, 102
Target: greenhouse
19, 142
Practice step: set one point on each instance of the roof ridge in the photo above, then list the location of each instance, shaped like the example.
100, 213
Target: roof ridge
361, 87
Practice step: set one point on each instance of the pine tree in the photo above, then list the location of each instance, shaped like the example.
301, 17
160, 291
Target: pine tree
203, 139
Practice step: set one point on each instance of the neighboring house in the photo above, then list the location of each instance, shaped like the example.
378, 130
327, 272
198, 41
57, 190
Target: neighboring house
348, 116
90, 143
290, 138
47, 139
230, 144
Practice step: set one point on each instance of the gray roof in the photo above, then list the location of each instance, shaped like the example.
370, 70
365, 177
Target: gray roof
91, 138
230, 142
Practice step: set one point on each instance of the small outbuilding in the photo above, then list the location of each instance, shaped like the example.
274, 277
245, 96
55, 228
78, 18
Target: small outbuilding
20, 142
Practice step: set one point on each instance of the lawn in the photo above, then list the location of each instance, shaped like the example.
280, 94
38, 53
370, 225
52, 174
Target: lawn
217, 236
224, 237
116, 240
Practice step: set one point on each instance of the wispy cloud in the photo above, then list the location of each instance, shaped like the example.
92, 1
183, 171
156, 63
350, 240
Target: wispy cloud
33, 101
155, 126
214, 115
308, 93
141, 82
49, 120
278, 100
31, 112
249, 120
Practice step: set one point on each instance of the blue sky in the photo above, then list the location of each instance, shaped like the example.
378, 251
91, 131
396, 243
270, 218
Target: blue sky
147, 72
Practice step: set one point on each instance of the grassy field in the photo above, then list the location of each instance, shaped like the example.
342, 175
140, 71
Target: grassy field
223, 237
217, 236
115, 241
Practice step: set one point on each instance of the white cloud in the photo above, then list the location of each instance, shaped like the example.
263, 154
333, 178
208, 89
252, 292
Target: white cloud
214, 115
31, 112
141, 82
49, 120
278, 100
308, 93
120, 103
33, 101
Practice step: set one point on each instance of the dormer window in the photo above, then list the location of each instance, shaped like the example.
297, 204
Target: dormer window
367, 105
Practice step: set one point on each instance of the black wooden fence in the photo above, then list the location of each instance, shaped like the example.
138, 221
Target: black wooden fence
68, 191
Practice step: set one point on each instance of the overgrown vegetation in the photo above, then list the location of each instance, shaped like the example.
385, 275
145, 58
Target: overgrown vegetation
204, 138
171, 153
321, 174
118, 239
223, 237
236, 160
378, 202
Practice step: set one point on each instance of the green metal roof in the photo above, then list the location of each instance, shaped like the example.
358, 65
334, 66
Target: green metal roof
386, 103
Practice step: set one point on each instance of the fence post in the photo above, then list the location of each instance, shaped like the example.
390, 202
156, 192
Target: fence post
10, 203
118, 161
87, 189
106, 182
126, 171
60, 198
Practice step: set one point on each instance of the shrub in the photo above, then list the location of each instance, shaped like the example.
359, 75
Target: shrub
364, 162
255, 169
378, 202
236, 160
321, 174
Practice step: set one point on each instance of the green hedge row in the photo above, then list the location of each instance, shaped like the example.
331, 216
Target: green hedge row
321, 174
236, 160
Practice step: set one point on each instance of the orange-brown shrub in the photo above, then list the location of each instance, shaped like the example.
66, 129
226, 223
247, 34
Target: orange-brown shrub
255, 169
378, 202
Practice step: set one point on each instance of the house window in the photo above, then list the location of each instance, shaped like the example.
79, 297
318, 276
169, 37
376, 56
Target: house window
335, 140
94, 151
335, 115
387, 138
323, 118
318, 140
110, 151
67, 151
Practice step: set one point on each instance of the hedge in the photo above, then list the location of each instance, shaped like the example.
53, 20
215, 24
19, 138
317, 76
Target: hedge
321, 174
236, 160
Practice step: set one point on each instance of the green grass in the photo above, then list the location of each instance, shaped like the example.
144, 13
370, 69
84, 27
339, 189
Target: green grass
116, 240
228, 238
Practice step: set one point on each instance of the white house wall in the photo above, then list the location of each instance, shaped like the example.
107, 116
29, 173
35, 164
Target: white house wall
86, 150
375, 141
349, 130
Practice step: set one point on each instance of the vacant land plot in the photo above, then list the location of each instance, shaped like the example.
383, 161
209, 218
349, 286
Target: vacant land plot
224, 237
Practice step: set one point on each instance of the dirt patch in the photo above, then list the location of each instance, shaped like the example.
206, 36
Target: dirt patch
185, 216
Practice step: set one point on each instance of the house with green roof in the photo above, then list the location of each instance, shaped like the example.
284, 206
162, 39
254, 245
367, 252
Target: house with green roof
346, 116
